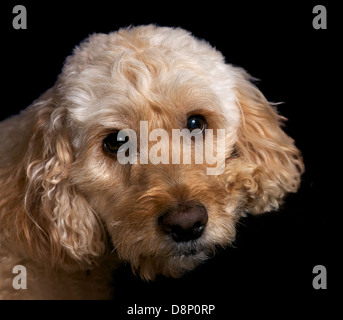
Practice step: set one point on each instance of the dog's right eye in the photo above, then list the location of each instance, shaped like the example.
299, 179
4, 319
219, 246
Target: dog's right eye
112, 142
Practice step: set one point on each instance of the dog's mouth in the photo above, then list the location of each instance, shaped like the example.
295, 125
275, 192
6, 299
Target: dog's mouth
171, 258
183, 237
187, 249
179, 258
191, 249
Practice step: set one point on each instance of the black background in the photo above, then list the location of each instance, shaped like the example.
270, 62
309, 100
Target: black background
273, 257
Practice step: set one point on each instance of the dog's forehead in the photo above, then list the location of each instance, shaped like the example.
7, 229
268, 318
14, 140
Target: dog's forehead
145, 72
172, 43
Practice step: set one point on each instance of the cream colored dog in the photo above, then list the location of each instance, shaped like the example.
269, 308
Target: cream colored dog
69, 211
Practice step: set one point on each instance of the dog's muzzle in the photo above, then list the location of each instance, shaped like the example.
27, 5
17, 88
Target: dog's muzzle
185, 223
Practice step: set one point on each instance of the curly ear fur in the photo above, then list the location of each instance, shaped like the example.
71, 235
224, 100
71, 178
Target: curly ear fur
51, 218
268, 165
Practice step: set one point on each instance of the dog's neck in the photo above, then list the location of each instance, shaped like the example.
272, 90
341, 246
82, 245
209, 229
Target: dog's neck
42, 282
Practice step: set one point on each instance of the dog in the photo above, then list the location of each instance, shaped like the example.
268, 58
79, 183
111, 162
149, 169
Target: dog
70, 212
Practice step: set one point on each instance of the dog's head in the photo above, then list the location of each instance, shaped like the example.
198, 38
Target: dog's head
163, 215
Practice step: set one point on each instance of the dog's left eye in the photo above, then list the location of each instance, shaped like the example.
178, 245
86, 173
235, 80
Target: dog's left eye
112, 143
196, 122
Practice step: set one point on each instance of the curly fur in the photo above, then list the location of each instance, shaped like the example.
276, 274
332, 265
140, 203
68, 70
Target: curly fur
69, 212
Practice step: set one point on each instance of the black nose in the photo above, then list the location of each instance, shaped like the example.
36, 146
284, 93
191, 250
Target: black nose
185, 223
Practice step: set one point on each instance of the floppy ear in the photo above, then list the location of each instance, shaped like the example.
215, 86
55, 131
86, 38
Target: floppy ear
268, 165
52, 219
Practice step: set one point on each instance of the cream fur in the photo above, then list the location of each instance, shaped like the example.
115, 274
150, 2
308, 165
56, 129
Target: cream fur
69, 212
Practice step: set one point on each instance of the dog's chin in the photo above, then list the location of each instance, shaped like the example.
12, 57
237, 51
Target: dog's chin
175, 261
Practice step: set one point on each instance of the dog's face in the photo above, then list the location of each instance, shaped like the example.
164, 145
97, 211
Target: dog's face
164, 218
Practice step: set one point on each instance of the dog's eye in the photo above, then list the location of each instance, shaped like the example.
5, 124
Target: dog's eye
196, 122
112, 142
